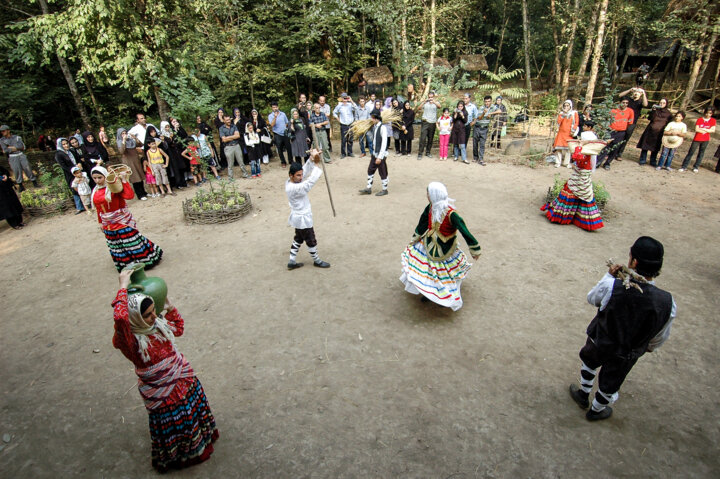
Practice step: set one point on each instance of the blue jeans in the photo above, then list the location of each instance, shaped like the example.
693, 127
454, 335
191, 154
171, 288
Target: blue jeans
78, 202
366, 141
666, 157
255, 167
643, 157
460, 149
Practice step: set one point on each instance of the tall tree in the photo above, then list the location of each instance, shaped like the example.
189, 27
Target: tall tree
597, 51
590, 32
569, 51
526, 49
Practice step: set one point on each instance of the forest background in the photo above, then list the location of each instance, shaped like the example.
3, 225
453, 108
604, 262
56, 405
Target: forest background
82, 63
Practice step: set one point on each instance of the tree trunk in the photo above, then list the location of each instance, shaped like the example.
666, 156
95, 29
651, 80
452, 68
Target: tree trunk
621, 69
502, 37
252, 91
96, 107
404, 45
526, 48
163, 107
555, 77
72, 86
715, 84
669, 65
364, 35
433, 46
617, 37
589, 36
565, 83
597, 52
706, 59
696, 64
676, 67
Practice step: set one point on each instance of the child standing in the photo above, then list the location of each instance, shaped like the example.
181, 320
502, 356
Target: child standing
159, 161
630, 321
150, 180
252, 141
206, 153
81, 184
673, 138
444, 125
191, 153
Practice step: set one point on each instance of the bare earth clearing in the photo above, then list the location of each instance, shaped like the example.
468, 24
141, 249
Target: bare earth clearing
339, 372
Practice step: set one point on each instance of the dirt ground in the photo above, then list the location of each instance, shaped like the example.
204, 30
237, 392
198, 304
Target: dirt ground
340, 373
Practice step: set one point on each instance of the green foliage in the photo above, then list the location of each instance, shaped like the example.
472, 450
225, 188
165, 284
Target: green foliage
227, 197
496, 85
53, 190
549, 105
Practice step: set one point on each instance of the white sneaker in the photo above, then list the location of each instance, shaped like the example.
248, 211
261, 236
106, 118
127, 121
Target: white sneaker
144, 198
681, 169
695, 170
658, 168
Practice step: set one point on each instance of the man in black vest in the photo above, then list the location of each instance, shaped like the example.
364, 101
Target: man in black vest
628, 324
378, 155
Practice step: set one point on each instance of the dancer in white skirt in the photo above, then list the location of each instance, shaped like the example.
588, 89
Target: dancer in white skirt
432, 264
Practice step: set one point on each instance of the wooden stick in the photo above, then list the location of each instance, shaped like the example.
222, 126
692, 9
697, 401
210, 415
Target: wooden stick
322, 162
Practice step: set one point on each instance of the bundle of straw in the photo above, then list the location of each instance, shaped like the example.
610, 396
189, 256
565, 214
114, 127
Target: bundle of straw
361, 127
626, 274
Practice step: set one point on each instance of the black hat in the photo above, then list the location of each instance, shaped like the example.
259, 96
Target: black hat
649, 255
375, 114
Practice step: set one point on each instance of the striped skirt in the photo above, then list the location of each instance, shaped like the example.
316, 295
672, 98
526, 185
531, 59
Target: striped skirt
568, 208
182, 433
127, 246
439, 281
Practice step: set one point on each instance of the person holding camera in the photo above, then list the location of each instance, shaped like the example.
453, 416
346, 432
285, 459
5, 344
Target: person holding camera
429, 118
457, 134
651, 139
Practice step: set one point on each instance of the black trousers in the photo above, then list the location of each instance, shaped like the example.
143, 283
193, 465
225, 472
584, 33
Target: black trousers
306, 235
613, 370
427, 136
405, 147
282, 142
139, 189
381, 168
612, 151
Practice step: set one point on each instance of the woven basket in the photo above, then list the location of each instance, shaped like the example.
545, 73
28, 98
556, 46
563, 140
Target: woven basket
49, 210
225, 215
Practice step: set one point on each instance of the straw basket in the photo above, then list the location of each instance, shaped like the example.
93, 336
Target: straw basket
116, 173
51, 209
589, 147
226, 214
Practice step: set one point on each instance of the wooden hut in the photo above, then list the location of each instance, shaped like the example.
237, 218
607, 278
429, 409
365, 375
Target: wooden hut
473, 63
372, 76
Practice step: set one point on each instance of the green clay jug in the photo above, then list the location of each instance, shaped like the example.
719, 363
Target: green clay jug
152, 286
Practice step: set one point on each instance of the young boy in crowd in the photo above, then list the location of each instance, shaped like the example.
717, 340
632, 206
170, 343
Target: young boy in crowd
196, 169
631, 320
81, 184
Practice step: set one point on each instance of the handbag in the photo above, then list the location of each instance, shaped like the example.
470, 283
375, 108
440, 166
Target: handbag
265, 139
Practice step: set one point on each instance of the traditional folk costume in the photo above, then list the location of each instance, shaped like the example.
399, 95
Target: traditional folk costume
379, 151
576, 204
182, 427
568, 124
433, 265
629, 322
301, 213
126, 244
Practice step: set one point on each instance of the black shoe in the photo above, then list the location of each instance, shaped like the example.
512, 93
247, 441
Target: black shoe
365, 191
294, 265
342, 156
21, 188
600, 415
579, 396
35, 184
351, 155
419, 157
607, 167
428, 155
321, 264
79, 212
381, 193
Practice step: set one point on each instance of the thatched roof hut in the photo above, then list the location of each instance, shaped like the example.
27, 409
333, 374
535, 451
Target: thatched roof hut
473, 63
373, 75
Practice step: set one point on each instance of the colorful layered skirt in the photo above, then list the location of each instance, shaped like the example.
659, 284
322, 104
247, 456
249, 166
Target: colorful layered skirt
127, 246
575, 203
182, 433
439, 281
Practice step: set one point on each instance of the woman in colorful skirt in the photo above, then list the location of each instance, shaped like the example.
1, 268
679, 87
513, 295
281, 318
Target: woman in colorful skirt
182, 427
126, 244
576, 204
433, 265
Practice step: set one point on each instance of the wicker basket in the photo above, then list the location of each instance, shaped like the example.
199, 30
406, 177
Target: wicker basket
49, 210
225, 215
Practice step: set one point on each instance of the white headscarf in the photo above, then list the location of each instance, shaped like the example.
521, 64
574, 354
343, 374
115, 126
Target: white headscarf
439, 200
570, 112
163, 124
108, 193
142, 332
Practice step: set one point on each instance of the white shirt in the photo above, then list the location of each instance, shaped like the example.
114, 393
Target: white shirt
600, 295
383, 140
297, 193
590, 135
139, 131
